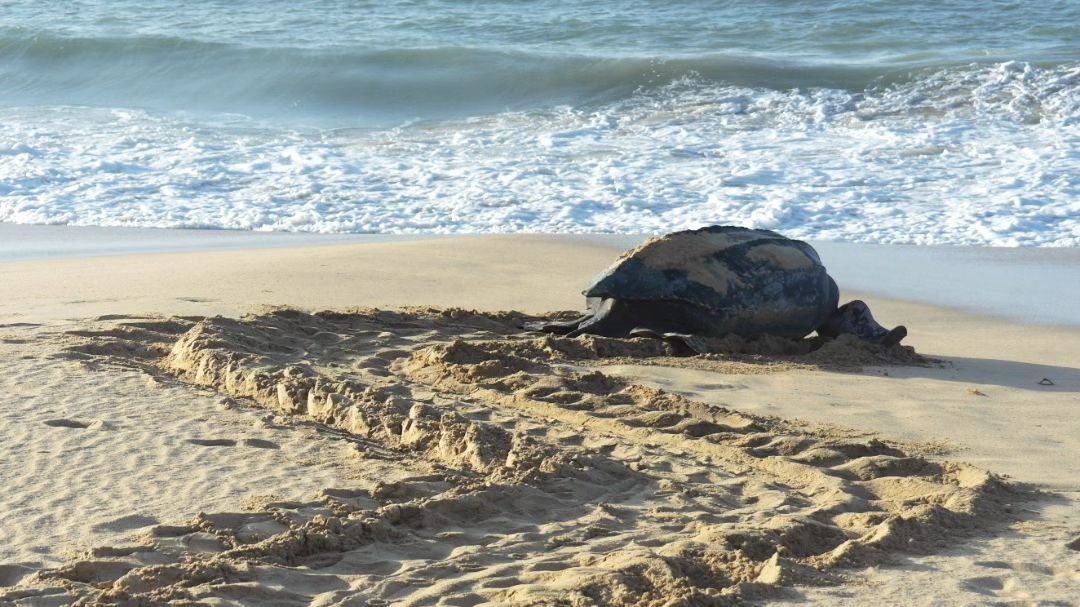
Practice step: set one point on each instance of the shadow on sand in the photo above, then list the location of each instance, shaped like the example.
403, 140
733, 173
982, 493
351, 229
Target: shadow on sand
1013, 374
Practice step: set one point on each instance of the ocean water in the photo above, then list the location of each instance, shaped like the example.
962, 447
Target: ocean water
899, 121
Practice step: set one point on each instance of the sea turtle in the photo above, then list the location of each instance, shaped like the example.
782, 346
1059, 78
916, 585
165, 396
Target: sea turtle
711, 282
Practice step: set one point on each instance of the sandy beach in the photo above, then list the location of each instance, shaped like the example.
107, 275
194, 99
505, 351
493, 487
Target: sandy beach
365, 423
282, 284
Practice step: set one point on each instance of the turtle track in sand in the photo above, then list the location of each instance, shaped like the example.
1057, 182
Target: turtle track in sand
536, 480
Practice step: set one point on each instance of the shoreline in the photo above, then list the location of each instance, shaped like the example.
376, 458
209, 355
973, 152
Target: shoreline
30, 242
978, 280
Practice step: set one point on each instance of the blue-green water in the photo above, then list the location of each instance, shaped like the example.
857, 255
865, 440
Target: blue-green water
949, 121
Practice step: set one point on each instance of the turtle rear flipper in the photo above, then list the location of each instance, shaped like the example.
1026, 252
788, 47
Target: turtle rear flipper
656, 328
646, 332
609, 318
685, 344
558, 327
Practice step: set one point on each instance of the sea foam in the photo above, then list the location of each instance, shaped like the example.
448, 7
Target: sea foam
978, 154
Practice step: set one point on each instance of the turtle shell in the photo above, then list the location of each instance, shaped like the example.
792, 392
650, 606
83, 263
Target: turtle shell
739, 280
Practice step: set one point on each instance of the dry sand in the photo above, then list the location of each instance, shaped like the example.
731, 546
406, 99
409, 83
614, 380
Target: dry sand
426, 457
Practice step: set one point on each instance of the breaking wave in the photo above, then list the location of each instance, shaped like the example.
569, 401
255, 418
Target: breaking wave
381, 87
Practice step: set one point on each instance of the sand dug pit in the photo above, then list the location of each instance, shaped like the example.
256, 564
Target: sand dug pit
538, 481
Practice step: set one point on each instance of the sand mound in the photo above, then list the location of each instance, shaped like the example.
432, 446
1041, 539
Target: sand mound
543, 482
